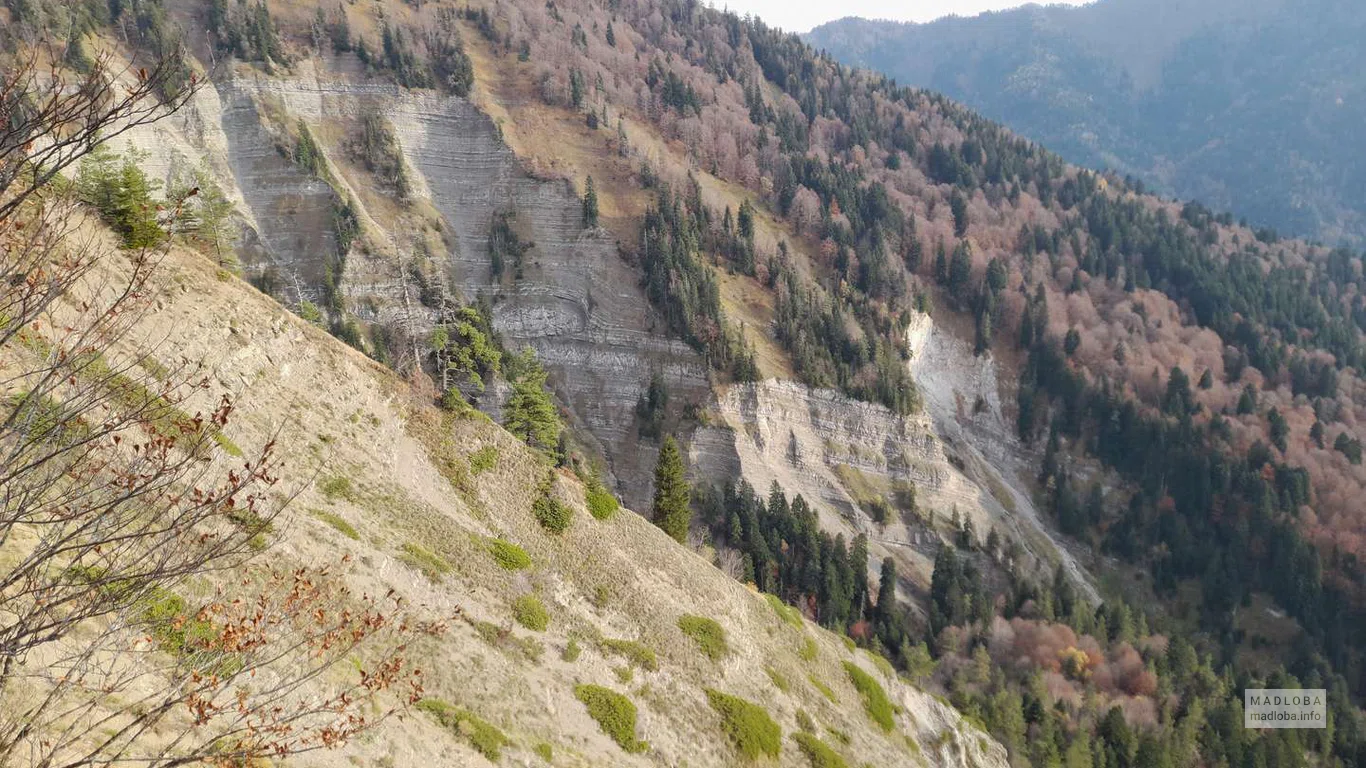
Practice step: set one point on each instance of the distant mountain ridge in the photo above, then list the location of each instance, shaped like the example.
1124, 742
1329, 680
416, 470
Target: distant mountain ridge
1249, 107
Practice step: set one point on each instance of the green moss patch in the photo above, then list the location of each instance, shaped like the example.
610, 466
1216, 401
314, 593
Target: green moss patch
615, 713
336, 521
875, 699
709, 635
785, 612
483, 460
601, 503
530, 612
747, 724
818, 752
431, 564
637, 653
509, 556
485, 737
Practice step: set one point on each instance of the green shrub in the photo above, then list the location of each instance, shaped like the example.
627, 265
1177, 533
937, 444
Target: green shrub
571, 651
818, 752
708, 635
425, 560
849, 643
637, 653
785, 612
484, 459
337, 487
345, 528
544, 751
486, 738
551, 514
624, 674
510, 556
531, 613
616, 715
804, 721
808, 650
601, 503
875, 699
748, 725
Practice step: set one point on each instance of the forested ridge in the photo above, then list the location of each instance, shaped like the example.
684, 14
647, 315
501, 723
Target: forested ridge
1244, 105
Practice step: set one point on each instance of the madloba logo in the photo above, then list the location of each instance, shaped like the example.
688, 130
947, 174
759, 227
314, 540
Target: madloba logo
1285, 708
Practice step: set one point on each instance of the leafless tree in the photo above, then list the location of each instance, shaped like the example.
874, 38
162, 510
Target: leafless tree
133, 624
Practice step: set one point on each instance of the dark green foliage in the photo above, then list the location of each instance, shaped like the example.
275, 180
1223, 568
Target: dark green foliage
834, 347
122, 194
683, 287
748, 726
602, 505
1348, 446
818, 752
652, 407
451, 67
398, 57
506, 246
590, 205
553, 515
875, 700
709, 635
787, 555
485, 737
377, 149
464, 349
247, 31
959, 208
529, 413
670, 509
615, 714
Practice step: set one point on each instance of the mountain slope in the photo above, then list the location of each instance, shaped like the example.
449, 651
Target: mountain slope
1247, 107
416, 516
1066, 452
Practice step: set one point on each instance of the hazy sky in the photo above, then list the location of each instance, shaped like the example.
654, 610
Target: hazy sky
802, 15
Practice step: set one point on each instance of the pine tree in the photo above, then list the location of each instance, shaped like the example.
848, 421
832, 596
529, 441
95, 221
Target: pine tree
611, 35
959, 207
671, 511
590, 205
529, 413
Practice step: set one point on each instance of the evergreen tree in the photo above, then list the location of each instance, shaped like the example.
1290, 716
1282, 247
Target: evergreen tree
671, 510
960, 213
590, 205
529, 413
611, 35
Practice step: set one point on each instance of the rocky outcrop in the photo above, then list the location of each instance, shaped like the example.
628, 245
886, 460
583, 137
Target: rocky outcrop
962, 395
578, 303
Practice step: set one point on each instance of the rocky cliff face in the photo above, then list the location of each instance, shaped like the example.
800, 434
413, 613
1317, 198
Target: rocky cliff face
578, 303
958, 455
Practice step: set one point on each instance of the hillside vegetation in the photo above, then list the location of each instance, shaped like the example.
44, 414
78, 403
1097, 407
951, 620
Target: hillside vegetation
1245, 106
1080, 460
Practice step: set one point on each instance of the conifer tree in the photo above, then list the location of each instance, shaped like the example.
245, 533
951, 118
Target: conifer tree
671, 511
590, 205
529, 413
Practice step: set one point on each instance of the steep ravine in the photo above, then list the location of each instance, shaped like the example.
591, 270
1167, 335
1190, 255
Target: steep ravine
952, 382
